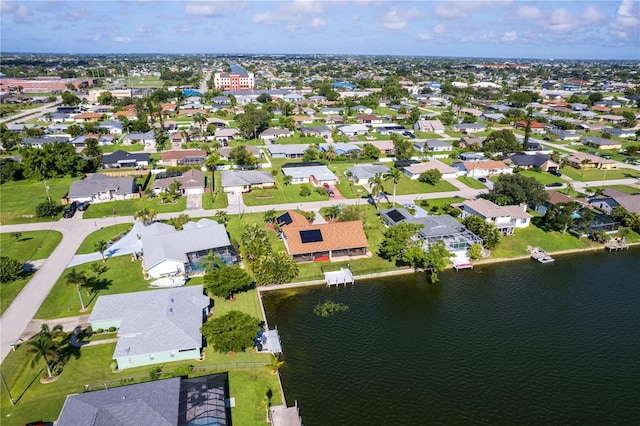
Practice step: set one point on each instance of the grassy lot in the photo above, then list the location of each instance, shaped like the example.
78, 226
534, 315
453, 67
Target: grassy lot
216, 199
16, 208
106, 233
542, 177
625, 188
408, 186
129, 207
598, 175
516, 245
119, 147
280, 194
294, 140
32, 245
144, 81
472, 183
438, 205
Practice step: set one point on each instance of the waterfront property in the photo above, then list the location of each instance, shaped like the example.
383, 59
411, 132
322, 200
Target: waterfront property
167, 251
505, 218
322, 241
176, 401
611, 198
456, 238
153, 326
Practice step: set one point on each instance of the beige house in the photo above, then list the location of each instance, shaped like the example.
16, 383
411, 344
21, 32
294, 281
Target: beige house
506, 218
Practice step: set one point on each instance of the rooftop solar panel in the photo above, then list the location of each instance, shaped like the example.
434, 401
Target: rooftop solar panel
284, 219
396, 216
311, 236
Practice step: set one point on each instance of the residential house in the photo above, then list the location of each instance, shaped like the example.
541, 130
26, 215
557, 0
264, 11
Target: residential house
313, 172
361, 173
147, 138
469, 127
154, 327
87, 117
495, 117
353, 129
620, 133
168, 402
341, 148
611, 198
601, 143
361, 109
183, 157
191, 182
505, 218
114, 127
432, 146
121, 115
287, 151
322, 241
415, 170
302, 119
429, 126
272, 133
245, 180
564, 135
526, 161
368, 119
99, 188
475, 169
581, 160
122, 159
225, 152
319, 131
225, 135
332, 111
167, 251
40, 141
385, 147
333, 119
470, 141
218, 122
536, 127
555, 197
456, 238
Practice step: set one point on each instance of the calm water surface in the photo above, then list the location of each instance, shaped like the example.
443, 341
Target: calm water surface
512, 343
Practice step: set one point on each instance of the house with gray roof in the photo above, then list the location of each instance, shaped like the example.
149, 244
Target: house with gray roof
167, 251
156, 326
272, 133
246, 180
191, 182
316, 174
40, 141
98, 188
124, 159
505, 218
432, 145
147, 138
361, 173
169, 402
288, 151
469, 127
611, 198
429, 126
454, 235
341, 148
114, 127
527, 161
319, 131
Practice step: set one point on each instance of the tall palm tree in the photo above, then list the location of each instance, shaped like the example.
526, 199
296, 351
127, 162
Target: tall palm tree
79, 280
45, 346
583, 163
275, 363
330, 154
376, 186
101, 246
394, 176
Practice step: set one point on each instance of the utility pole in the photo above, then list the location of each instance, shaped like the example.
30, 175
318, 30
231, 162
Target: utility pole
46, 188
7, 389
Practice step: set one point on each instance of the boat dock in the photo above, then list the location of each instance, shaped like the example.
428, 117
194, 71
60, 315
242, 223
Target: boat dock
616, 244
343, 276
460, 263
540, 255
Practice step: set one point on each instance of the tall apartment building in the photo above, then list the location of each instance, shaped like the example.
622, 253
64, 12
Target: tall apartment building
233, 81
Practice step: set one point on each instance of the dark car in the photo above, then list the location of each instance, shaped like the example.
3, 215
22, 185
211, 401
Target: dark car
555, 172
554, 184
68, 213
83, 206
483, 180
331, 193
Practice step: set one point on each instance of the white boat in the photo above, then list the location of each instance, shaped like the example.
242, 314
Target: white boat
167, 282
546, 259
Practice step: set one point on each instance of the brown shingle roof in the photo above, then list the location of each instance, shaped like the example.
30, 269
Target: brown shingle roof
335, 236
178, 154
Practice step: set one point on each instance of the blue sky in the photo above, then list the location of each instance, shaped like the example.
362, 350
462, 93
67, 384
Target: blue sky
508, 28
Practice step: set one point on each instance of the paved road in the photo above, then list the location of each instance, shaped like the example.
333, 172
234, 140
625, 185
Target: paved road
26, 114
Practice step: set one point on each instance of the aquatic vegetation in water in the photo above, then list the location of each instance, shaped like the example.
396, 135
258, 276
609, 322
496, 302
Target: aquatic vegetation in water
329, 307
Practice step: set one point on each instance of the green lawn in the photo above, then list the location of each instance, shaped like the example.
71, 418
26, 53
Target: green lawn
119, 147
31, 245
293, 140
599, 175
625, 188
146, 81
18, 208
516, 245
280, 194
409, 186
216, 199
472, 183
130, 207
542, 177
106, 233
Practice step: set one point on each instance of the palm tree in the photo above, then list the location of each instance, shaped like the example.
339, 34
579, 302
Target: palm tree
145, 215
101, 246
583, 163
330, 154
45, 346
78, 279
376, 186
394, 176
275, 363
270, 216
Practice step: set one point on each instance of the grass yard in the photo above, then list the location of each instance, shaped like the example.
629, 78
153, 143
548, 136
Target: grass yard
633, 190
516, 245
130, 207
472, 183
106, 233
599, 175
31, 245
409, 186
281, 194
293, 140
216, 199
119, 147
146, 81
16, 208
542, 177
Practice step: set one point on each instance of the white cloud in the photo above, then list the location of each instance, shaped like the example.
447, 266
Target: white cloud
439, 29
202, 8
424, 36
529, 12
397, 19
296, 14
122, 39
592, 14
19, 12
147, 29
318, 23
626, 25
462, 9
510, 36
183, 29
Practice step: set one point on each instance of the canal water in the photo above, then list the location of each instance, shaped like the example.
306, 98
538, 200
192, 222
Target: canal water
510, 343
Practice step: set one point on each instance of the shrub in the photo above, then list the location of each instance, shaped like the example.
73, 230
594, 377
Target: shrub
305, 191
10, 269
155, 373
47, 209
182, 371
112, 329
329, 308
475, 252
321, 190
99, 331
113, 365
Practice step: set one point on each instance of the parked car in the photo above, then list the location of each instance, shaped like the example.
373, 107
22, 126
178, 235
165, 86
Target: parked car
326, 186
483, 180
553, 185
83, 206
68, 213
331, 193
555, 172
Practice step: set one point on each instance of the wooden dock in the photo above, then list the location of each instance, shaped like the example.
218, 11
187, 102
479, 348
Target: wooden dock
459, 263
540, 255
343, 276
616, 244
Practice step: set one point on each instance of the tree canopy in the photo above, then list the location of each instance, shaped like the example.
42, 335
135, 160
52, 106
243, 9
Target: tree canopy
516, 189
225, 281
398, 240
233, 332
489, 233
501, 141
